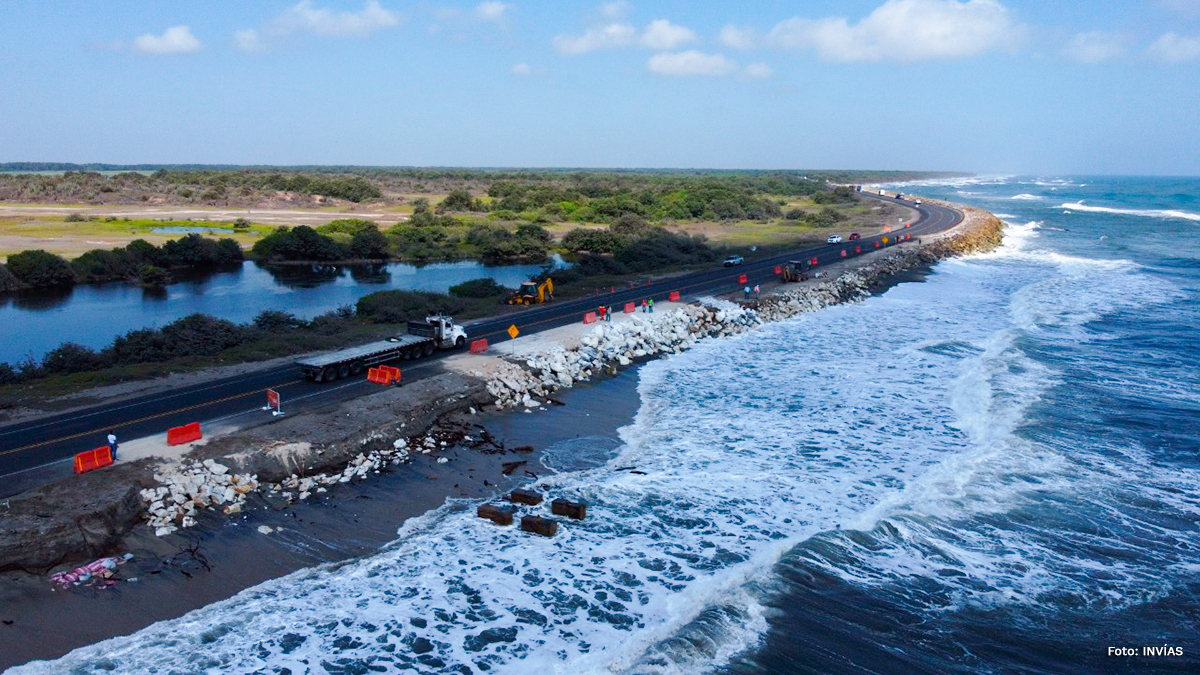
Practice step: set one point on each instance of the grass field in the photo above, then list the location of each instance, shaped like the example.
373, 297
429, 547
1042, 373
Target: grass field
70, 239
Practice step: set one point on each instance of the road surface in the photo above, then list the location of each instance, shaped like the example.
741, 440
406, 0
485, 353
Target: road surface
35, 451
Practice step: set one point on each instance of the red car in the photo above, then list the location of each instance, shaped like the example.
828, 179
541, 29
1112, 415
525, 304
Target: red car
854, 236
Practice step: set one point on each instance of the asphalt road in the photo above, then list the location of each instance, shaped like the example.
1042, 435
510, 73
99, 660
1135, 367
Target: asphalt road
34, 451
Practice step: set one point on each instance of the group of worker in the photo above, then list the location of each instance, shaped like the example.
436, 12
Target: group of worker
605, 312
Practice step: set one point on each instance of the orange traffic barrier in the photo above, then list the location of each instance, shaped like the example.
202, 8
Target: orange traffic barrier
93, 459
590, 317
381, 375
843, 253
479, 346
393, 371
742, 279
779, 269
674, 296
184, 434
630, 308
858, 249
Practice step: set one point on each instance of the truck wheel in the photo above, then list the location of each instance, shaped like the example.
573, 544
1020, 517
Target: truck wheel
428, 348
460, 342
344, 370
329, 374
356, 367
414, 353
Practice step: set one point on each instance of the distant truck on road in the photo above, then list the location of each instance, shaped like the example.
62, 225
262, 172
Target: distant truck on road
423, 338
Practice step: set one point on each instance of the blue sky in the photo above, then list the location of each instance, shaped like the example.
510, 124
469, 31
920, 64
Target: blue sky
979, 85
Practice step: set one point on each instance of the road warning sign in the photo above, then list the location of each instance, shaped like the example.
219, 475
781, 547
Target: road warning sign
513, 332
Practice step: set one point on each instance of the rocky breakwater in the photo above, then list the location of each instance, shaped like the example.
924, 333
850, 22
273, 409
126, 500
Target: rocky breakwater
609, 346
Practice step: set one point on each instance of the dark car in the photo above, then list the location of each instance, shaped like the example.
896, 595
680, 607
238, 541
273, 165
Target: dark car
854, 236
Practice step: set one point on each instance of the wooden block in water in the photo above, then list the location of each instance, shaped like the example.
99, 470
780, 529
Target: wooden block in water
501, 515
570, 509
525, 497
547, 527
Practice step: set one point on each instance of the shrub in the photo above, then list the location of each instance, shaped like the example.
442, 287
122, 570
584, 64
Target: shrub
459, 200
150, 275
594, 241
241, 224
350, 226
274, 320
479, 288
75, 218
660, 248
72, 358
101, 265
398, 306
39, 268
369, 245
8, 374
297, 244
629, 225
201, 334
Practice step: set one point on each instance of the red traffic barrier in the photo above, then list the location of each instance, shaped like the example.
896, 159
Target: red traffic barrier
630, 308
742, 279
843, 253
877, 244
908, 235
814, 262
93, 459
479, 346
779, 269
392, 371
379, 376
184, 434
674, 296
906, 224
272, 399
858, 249
590, 317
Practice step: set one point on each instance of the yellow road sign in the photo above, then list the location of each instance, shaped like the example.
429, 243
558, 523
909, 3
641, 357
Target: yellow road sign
512, 331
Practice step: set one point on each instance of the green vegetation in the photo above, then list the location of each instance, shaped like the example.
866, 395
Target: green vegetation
140, 262
39, 268
480, 288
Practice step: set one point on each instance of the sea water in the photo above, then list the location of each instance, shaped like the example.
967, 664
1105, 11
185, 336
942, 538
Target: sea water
991, 470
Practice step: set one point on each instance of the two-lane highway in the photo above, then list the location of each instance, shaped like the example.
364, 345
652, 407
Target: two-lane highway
53, 438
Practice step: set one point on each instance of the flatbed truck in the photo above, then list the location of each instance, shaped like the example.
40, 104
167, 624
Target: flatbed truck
422, 339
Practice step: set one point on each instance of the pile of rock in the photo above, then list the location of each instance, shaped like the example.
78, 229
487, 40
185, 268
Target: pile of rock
296, 487
193, 487
847, 287
512, 386
610, 345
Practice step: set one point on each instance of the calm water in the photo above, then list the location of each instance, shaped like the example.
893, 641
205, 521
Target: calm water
994, 470
38, 321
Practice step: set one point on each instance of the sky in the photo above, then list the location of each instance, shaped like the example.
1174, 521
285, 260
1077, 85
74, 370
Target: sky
989, 86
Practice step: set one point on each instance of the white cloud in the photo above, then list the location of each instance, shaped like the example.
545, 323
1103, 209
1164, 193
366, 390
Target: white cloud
612, 35
690, 62
304, 16
174, 40
522, 69
744, 39
1094, 47
904, 30
491, 11
1174, 48
248, 40
616, 10
662, 35
759, 71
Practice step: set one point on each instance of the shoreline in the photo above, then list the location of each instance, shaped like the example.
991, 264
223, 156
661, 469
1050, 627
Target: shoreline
496, 382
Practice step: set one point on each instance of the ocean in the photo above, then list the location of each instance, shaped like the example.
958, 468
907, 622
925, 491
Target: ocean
994, 469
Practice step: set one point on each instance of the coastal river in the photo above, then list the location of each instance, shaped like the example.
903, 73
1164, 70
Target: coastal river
94, 314
992, 470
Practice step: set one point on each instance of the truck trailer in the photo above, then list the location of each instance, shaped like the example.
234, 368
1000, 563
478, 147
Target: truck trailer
422, 339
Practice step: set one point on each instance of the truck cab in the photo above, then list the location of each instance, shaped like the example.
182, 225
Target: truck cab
442, 329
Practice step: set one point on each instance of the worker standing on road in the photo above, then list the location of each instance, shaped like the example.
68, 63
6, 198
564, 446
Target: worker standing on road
112, 444
608, 313
643, 305
651, 305
757, 292
746, 290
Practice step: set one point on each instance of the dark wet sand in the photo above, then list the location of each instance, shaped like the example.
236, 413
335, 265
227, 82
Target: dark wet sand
349, 521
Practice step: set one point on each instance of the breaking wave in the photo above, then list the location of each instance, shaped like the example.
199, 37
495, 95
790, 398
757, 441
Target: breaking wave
1150, 213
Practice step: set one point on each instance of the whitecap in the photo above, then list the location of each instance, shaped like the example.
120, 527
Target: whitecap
1150, 213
